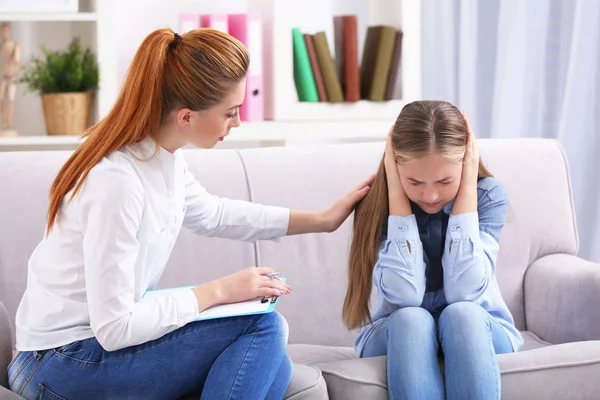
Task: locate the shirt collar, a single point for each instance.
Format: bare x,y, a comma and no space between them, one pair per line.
418,211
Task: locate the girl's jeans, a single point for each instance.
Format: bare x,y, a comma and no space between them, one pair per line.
469,338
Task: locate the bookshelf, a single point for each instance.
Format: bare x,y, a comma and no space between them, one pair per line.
103,26
54,30
316,15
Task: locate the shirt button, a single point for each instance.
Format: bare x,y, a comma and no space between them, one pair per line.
453,229
404,228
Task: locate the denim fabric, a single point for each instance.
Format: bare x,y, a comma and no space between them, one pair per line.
230,358
470,339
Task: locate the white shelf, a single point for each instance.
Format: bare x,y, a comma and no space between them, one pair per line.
262,133
56,17
361,110
287,131
42,140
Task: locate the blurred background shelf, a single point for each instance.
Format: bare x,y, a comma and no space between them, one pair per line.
45,17
362,110
114,30
254,134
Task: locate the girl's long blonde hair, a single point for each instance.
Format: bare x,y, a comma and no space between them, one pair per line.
196,70
421,128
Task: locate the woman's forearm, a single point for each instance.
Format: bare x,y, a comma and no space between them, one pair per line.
307,222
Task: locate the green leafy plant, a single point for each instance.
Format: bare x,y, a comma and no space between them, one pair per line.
73,70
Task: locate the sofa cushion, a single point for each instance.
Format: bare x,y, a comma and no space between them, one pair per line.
307,384
319,355
310,354
539,370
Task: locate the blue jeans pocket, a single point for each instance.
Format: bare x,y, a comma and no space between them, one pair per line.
44,393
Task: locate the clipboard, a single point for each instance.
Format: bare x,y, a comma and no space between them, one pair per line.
243,308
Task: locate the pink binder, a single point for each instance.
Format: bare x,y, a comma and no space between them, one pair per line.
188,22
216,21
247,28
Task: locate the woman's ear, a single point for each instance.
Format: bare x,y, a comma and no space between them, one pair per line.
184,116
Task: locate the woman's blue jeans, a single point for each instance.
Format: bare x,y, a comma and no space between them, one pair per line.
469,338
230,358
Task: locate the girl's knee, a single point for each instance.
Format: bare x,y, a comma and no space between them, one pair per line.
464,316
411,316
462,311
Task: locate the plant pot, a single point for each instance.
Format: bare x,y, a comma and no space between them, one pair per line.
66,113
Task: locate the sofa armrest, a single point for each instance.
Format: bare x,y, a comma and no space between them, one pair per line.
5,346
562,299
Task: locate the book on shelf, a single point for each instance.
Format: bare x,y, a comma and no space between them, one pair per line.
395,66
321,76
327,67
314,64
377,60
303,74
346,55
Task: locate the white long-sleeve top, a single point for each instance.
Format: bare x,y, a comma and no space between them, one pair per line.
111,244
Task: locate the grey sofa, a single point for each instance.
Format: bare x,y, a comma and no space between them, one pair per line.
554,295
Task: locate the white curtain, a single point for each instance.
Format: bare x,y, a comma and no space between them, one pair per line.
525,68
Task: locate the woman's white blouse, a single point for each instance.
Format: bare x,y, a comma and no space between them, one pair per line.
111,244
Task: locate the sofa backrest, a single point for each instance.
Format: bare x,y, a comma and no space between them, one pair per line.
25,179
533,170
541,221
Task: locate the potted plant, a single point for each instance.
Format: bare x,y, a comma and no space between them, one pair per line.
66,82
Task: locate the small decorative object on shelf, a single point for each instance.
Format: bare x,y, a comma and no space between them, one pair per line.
11,57
66,82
